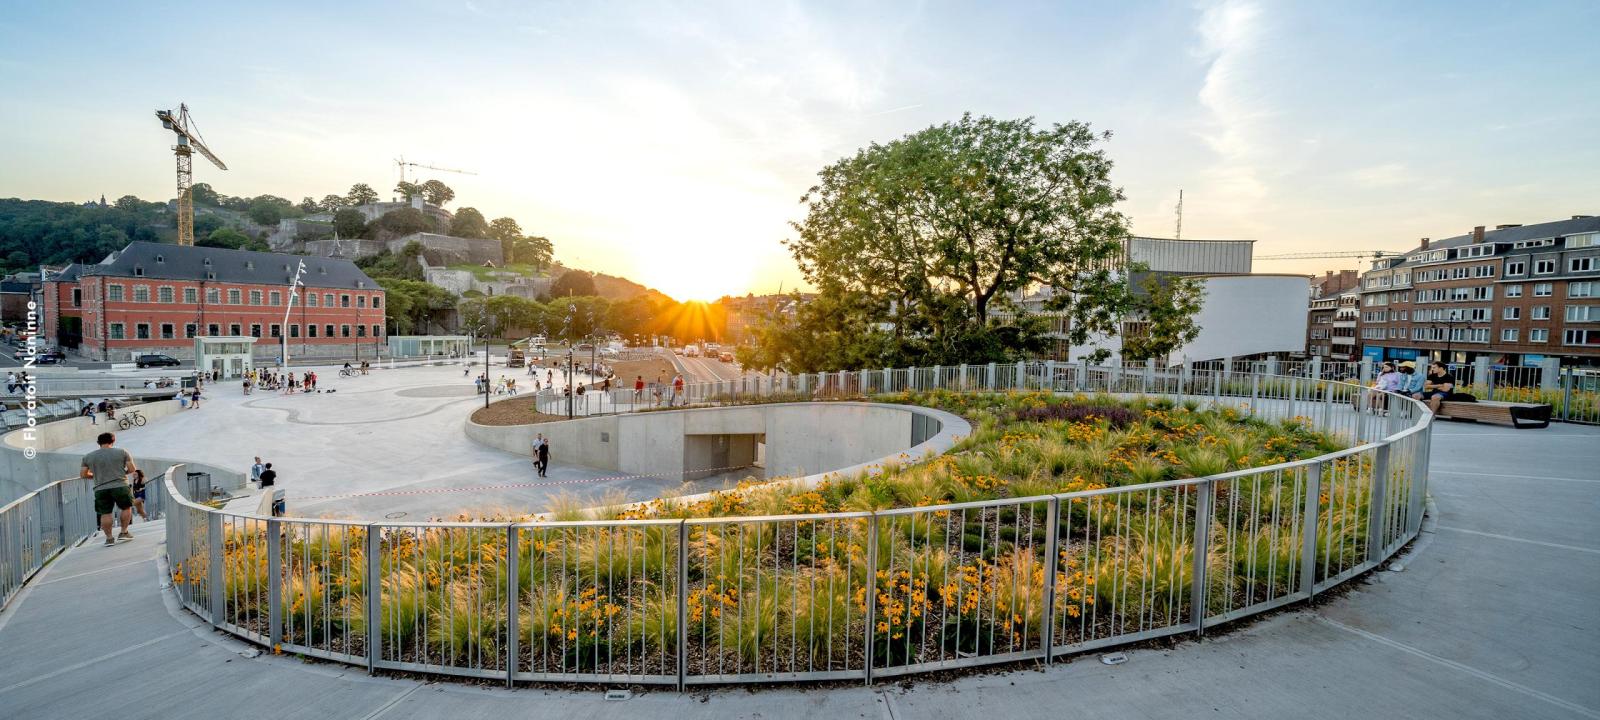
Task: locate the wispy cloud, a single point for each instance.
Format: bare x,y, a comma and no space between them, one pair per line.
1230,33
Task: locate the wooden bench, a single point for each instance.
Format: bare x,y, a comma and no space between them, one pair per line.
1517,415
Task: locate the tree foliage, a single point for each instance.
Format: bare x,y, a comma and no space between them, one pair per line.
437,193
406,221
469,223
349,223
361,194
1164,315
916,243
414,306
572,283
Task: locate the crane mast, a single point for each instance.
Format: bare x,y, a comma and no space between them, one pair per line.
188,142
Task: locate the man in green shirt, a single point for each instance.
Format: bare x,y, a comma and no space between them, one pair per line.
110,467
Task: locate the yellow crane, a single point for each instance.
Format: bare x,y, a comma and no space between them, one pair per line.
403,163
188,142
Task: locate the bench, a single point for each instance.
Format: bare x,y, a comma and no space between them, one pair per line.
1517,415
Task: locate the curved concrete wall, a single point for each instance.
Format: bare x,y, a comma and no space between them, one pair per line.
801,438
20,474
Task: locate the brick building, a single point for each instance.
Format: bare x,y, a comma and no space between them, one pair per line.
1517,294
155,298
1333,297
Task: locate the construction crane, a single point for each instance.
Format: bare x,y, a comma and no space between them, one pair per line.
188,142
1177,233
402,163
1374,254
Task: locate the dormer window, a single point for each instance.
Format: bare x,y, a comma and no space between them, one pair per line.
160,259
211,275
361,284
208,262
249,265
322,271
138,271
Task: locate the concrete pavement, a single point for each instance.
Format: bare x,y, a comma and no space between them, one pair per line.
1494,616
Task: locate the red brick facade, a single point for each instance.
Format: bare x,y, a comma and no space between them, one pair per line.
114,318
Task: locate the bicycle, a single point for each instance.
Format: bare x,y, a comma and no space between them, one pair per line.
130,419
349,372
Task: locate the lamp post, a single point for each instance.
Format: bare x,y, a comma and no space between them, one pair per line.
283,330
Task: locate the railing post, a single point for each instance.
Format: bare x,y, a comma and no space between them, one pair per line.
274,582
513,604
1566,394
1083,374
1052,545
1272,365
1201,544
683,602
1227,368
1549,373
1308,530
1481,373
1022,376
374,597
872,588
1365,371
1419,480
1149,374
1316,367
1377,503
1185,378
938,378
1050,375
217,599
990,376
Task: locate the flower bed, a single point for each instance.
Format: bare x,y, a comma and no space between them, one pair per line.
910,566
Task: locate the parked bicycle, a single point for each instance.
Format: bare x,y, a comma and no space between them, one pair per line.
130,419
349,372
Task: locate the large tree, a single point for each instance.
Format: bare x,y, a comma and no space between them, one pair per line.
469,223
437,192
333,203
573,283
349,223
930,233
361,194
407,190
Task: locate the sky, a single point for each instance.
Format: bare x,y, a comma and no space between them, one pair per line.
670,142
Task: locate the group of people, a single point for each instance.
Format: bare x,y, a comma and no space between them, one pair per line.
1434,387
94,410
159,383
288,382
119,485
500,386
541,454
16,381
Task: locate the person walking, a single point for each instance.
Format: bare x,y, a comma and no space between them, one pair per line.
109,468
194,401
638,389
137,486
544,456
255,471
269,477
533,451
677,391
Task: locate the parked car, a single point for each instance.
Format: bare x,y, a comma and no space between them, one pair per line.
45,357
145,361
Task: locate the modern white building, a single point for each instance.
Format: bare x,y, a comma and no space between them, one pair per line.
1243,314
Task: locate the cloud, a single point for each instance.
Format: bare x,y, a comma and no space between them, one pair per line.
1238,116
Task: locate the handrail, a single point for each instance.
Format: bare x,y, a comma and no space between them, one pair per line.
834,595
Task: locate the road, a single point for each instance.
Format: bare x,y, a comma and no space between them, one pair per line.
708,369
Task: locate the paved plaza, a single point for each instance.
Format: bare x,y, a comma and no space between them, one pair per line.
1493,616
393,431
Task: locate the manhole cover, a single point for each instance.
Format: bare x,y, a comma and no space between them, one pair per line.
394,516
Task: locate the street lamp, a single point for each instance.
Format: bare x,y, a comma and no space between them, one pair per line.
283,330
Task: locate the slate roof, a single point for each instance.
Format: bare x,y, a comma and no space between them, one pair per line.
160,261
1558,228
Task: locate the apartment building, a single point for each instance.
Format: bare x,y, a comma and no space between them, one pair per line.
1332,295
1517,294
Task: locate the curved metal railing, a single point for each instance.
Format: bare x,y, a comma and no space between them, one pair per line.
859,595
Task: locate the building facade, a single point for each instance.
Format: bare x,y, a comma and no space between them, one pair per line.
1517,294
157,298
1333,295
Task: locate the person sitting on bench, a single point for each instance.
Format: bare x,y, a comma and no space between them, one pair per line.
1438,387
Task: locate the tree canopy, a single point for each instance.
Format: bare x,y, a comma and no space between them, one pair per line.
361,194
469,223
437,193
915,244
572,283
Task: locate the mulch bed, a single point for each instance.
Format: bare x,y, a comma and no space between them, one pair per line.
513,411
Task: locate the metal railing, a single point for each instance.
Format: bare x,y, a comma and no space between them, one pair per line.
42,524
855,595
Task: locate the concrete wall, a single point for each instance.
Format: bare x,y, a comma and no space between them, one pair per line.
1249,314
801,438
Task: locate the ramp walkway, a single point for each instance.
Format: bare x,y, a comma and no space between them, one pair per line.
1494,615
